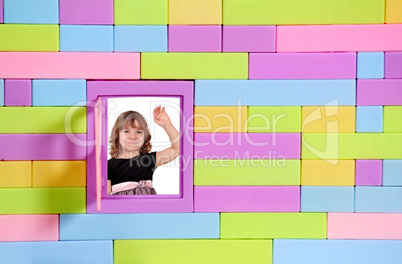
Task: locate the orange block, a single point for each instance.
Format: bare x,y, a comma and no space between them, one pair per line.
195,12
59,174
393,11
15,174
328,119
323,173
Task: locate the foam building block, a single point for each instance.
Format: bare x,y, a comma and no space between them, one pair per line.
140,38
247,172
302,65
368,172
329,119
370,65
392,173
15,174
59,92
321,172
194,65
392,118
393,10
249,38
379,92
58,174
393,65
273,225
31,12
86,38
327,199
247,198
271,92
153,226
1,12
29,228
274,119
202,12
318,38
152,12
370,199
195,38
220,119
364,226
43,146
369,119
18,92
86,12
1,92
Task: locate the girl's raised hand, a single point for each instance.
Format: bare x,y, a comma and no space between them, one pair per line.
161,117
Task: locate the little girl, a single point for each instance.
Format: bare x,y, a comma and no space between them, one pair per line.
132,164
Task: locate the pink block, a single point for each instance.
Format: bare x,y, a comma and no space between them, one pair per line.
43,146
249,38
364,226
302,65
246,146
393,65
79,65
195,38
29,228
247,198
17,92
379,92
316,38
86,12
369,172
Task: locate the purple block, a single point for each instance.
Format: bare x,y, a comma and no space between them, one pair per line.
393,65
379,92
247,198
1,12
195,38
249,38
302,65
17,92
369,172
86,12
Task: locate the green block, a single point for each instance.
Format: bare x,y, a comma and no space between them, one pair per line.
293,12
42,200
29,37
247,172
203,65
274,225
392,118
274,119
193,251
140,12
44,120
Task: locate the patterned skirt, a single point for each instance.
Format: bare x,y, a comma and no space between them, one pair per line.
143,188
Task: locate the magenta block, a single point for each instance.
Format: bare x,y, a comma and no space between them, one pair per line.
17,92
1,12
379,92
302,65
195,38
247,198
86,12
393,65
249,38
369,172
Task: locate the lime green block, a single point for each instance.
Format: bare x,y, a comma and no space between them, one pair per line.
33,120
194,65
282,12
272,171
333,146
42,200
193,251
274,225
140,12
29,37
392,118
274,119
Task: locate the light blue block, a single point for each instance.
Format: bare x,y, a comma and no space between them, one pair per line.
275,92
305,251
370,65
369,118
59,92
392,173
378,199
1,92
327,199
65,252
31,11
139,226
141,38
86,38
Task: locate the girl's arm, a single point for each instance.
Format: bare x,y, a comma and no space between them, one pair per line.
109,187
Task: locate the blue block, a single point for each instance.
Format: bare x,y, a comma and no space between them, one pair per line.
31,11
59,92
369,118
305,251
370,65
275,92
327,199
392,173
1,92
139,226
86,38
99,252
378,199
141,38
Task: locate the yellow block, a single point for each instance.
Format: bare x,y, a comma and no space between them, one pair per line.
220,119
393,11
323,173
328,119
193,12
59,174
15,174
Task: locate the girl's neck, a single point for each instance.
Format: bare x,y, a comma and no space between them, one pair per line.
128,155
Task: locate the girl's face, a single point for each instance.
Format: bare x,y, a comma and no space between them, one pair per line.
131,138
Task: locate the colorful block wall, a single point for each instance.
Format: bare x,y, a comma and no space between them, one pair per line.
298,107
